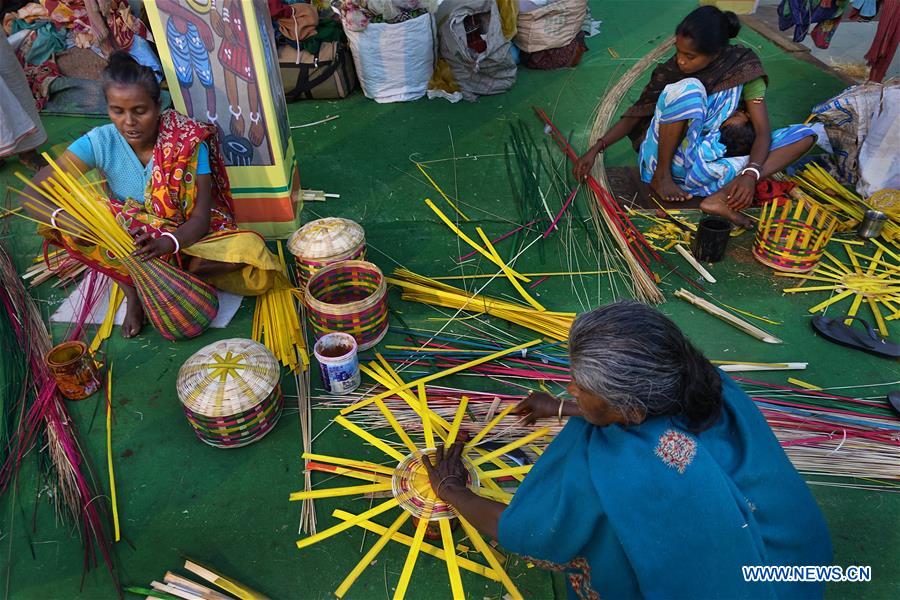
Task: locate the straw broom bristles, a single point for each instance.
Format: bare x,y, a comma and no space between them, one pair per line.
417,288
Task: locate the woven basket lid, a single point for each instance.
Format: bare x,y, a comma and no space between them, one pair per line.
323,238
887,201
227,377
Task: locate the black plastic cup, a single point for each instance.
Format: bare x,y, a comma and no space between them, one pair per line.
711,239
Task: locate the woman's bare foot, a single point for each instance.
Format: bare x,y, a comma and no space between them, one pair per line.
667,189
716,205
134,313
32,160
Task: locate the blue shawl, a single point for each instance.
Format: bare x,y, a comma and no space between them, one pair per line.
656,511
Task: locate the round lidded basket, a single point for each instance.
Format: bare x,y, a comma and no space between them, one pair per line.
348,297
229,392
792,234
886,201
324,242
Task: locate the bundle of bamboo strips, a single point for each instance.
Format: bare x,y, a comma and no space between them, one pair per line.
824,435
610,219
827,435
87,209
644,286
276,323
41,422
65,268
817,181
417,288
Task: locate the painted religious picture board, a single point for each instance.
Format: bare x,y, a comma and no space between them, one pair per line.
220,63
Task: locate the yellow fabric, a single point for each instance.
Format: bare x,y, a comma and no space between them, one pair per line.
442,78
261,269
509,13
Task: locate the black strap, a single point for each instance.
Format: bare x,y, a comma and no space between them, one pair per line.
305,85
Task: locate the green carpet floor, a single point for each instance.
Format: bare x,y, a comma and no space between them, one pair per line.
179,497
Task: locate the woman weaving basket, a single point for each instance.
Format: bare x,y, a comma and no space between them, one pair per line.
664,483
168,187
701,127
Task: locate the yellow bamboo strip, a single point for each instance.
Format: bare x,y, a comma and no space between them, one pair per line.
434,376
336,529
520,470
496,461
426,422
750,314
349,462
116,295
350,490
508,272
890,253
456,586
545,274
358,474
369,556
228,584
412,555
375,372
486,551
813,288
441,192
416,288
109,455
398,429
362,433
469,240
86,236
496,495
427,548
491,424
803,384
841,266
457,420
534,435
830,301
879,318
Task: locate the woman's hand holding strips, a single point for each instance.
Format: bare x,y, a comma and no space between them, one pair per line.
448,474
153,247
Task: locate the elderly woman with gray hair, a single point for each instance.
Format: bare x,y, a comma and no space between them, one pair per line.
665,481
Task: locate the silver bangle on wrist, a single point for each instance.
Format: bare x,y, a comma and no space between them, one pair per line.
171,235
53,218
753,170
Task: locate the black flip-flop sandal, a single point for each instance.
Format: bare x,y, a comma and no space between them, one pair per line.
834,330
894,401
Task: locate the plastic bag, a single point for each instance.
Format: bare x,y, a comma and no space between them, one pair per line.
394,61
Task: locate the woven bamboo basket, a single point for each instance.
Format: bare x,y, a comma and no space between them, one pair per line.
324,242
348,297
407,489
179,305
792,234
229,392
